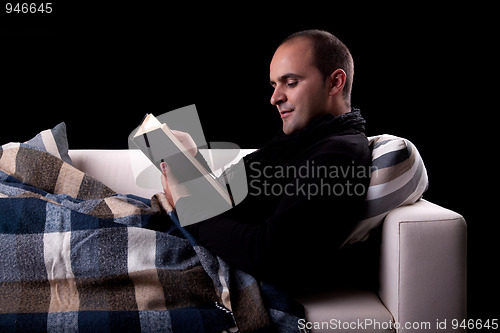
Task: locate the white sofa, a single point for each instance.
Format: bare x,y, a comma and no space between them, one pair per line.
422,262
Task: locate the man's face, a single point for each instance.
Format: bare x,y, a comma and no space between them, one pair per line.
300,93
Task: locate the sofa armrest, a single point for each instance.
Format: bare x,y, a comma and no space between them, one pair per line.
423,265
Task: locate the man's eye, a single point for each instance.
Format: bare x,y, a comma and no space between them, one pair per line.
292,84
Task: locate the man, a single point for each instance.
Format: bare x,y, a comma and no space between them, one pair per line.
306,190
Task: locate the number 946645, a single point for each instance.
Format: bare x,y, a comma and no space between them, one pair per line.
28,8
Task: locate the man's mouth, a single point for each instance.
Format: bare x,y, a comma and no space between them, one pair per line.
285,113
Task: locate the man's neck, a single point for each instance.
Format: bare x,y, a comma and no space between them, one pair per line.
340,107
341,111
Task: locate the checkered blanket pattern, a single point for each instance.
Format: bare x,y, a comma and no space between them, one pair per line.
77,257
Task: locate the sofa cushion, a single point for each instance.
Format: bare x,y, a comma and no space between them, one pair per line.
115,169
53,141
398,178
345,310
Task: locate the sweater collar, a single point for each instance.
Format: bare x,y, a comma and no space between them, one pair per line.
329,124
284,146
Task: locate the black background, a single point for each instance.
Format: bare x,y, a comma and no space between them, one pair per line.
427,74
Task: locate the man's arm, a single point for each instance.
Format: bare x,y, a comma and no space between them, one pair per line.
303,227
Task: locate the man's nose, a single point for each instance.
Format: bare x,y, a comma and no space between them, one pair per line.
277,97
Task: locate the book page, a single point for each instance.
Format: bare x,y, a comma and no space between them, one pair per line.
149,123
209,196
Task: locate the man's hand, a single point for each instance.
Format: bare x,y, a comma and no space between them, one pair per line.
164,184
172,188
187,141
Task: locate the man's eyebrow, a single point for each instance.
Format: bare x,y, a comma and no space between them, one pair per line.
290,76
287,76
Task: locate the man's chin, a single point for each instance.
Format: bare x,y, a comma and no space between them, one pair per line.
288,128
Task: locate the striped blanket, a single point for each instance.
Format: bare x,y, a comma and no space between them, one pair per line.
77,257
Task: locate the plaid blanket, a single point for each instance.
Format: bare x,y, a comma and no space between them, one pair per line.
77,257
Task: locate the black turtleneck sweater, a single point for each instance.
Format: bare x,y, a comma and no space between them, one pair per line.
305,193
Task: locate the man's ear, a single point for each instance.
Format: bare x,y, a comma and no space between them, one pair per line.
337,81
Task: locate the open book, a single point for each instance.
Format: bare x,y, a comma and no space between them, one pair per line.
159,144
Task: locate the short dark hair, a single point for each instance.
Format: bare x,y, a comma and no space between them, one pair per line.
329,54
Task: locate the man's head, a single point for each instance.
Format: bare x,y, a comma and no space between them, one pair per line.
311,73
